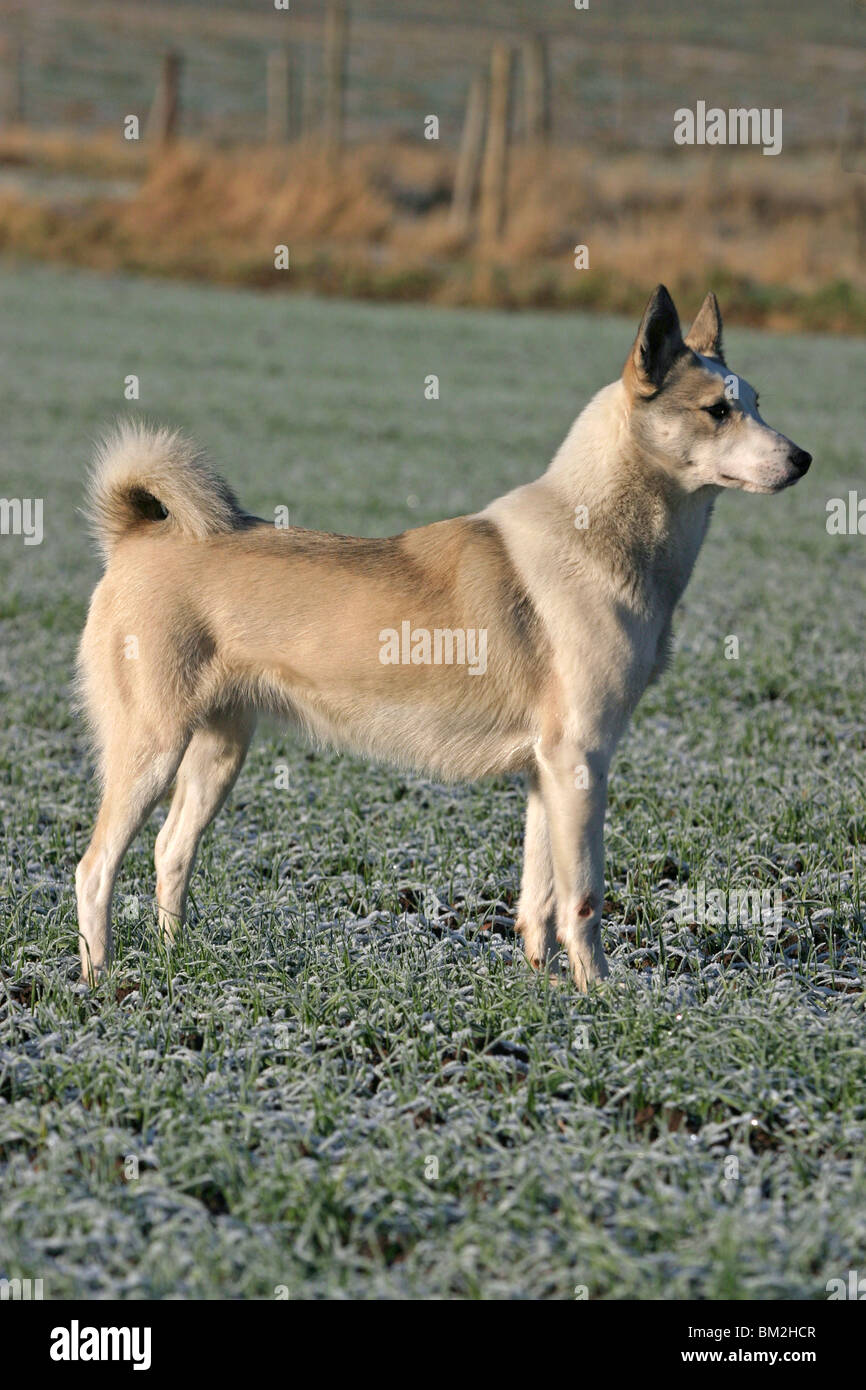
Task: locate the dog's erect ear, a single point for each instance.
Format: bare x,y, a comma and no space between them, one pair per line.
705,334
658,343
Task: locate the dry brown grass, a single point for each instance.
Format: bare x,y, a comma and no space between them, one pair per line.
784,241
100,155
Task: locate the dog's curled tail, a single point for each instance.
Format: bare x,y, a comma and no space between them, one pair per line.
142,476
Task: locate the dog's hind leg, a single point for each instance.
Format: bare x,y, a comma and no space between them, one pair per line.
207,774
137,774
536,910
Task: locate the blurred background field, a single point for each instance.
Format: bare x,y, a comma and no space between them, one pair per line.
350,1000
307,128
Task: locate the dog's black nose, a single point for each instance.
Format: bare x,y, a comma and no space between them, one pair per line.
801,460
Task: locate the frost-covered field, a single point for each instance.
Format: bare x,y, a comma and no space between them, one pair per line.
345,1081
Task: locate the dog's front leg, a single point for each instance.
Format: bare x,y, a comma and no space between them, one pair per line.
573,784
536,911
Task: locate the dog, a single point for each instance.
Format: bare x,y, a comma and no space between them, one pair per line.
515,640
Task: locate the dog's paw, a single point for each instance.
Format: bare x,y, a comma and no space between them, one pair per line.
539,945
591,972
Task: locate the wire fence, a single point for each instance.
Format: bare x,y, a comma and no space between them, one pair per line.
614,79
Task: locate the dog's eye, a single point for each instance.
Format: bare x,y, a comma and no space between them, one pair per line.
718,410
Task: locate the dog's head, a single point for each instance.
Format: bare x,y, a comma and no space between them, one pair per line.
694,416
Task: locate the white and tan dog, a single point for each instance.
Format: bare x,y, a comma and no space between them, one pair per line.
206,615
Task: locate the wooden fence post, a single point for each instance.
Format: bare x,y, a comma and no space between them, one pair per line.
336,64
536,90
469,156
306,105
279,96
11,86
494,169
854,139
164,115
853,161
860,215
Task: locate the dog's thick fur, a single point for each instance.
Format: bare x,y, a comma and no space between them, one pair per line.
206,615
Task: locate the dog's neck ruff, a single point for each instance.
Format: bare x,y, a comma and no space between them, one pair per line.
642,531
